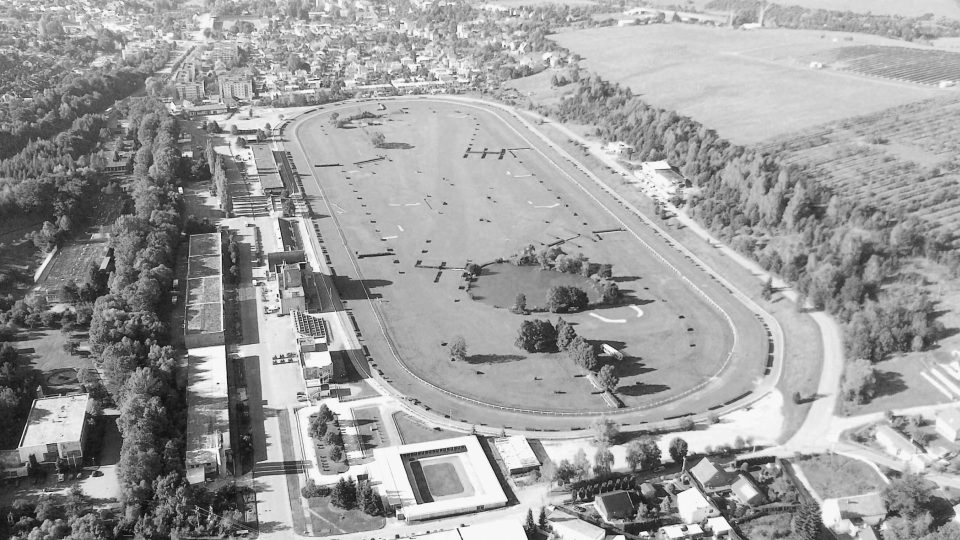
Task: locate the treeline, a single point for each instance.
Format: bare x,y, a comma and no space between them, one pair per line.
839,253
55,108
892,26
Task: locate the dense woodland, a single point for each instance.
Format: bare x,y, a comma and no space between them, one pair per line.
844,256
897,27
66,98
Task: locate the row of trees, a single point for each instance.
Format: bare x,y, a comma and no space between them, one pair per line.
786,16
540,335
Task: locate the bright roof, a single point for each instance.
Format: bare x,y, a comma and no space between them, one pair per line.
53,420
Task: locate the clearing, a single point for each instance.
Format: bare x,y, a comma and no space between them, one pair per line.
712,74
833,475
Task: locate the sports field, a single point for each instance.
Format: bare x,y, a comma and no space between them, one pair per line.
440,478
436,202
749,86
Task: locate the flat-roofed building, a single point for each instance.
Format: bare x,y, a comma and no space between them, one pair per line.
56,429
290,278
203,319
268,172
236,86
436,479
208,414
517,454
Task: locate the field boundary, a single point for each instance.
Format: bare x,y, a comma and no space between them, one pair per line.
486,107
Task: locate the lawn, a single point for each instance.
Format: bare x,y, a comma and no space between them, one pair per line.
434,206
711,74
412,431
833,475
768,527
326,465
499,284
43,351
329,520
369,424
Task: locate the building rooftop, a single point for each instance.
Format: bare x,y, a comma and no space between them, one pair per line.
266,165
516,452
208,420
616,504
204,302
951,417
55,420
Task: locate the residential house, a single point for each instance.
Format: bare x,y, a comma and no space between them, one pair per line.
747,492
712,478
614,506
895,443
840,513
694,507
568,527
948,424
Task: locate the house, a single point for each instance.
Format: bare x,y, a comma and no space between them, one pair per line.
719,527
711,477
895,443
948,424
747,492
614,506
56,429
694,507
868,509
570,528
681,532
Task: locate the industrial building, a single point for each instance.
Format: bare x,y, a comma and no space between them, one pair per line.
56,429
208,414
203,319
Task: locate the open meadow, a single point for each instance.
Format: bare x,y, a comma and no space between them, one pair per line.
748,85
457,185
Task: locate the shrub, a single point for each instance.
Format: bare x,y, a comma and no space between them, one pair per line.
336,453
561,298
312,490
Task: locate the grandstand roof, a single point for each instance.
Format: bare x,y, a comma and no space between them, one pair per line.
266,166
308,325
204,302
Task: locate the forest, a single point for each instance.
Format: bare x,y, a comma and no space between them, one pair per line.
842,255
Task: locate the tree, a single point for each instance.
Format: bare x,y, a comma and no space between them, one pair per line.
336,453
325,414
609,291
520,304
608,379
536,335
334,117
678,450
580,464
529,525
859,381
583,353
767,292
643,454
602,461
565,472
807,522
233,130
344,494
548,471
605,431
378,139
563,298
293,62
473,269
565,334
458,349
241,142
542,519
908,496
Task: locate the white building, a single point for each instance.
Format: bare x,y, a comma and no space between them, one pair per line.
662,177
56,428
694,507
844,513
517,454
208,413
895,443
568,527
437,478
948,424
497,530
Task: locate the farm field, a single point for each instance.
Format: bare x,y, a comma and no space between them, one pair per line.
415,218
901,160
712,74
920,66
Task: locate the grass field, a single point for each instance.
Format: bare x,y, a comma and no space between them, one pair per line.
369,424
413,431
714,75
499,285
329,520
833,475
911,8
431,193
